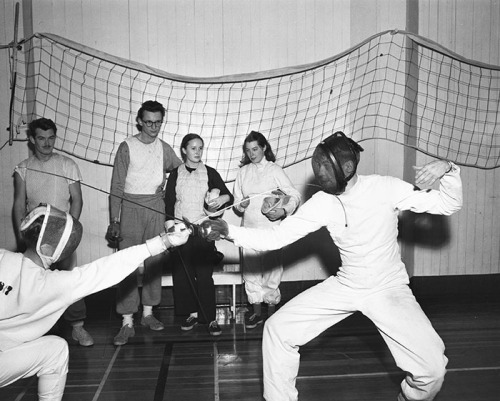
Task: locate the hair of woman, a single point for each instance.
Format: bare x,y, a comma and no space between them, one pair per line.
255,136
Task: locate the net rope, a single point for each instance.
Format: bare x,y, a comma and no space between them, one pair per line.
394,86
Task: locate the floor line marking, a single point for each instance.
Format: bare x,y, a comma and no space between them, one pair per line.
373,374
161,383
25,389
216,372
106,373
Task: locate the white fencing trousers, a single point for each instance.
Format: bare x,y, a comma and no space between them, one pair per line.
262,272
413,342
47,357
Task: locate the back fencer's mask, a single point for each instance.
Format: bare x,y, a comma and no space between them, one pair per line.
328,160
58,233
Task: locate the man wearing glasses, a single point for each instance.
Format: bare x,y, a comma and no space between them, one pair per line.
137,212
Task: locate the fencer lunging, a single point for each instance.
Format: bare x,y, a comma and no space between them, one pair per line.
361,215
33,297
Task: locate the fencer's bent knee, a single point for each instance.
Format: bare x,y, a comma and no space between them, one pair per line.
438,374
57,361
437,367
432,377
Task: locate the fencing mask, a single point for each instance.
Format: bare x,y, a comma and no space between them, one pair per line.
58,233
328,159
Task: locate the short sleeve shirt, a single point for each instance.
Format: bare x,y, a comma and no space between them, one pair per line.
48,181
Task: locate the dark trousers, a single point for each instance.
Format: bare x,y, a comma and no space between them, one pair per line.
193,285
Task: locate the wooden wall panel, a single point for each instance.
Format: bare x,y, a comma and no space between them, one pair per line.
9,155
471,30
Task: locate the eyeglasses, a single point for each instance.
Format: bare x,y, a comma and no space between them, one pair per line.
156,123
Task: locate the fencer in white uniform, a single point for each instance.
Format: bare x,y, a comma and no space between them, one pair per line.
361,214
33,297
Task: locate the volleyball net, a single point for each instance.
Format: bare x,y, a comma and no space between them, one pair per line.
395,86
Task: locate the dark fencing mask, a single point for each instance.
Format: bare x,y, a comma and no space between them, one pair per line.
328,160
59,233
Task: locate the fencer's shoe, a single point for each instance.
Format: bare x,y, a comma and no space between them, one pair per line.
123,335
253,320
189,323
214,328
82,336
152,322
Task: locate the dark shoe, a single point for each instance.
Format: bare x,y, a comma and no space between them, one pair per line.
152,322
214,329
253,320
82,336
190,322
123,335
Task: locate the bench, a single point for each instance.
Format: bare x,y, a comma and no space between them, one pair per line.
224,274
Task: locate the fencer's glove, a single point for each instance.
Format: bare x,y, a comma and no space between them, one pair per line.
214,229
113,235
169,225
176,235
194,229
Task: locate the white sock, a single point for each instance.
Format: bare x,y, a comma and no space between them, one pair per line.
147,310
128,320
194,314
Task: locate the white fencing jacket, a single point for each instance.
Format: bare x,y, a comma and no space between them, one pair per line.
32,299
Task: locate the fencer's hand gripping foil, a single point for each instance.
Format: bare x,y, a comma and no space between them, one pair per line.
177,235
214,229
209,229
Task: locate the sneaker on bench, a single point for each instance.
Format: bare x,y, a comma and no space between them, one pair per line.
214,328
253,320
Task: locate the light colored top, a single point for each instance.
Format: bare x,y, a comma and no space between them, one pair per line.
257,181
48,181
145,169
191,188
362,222
128,163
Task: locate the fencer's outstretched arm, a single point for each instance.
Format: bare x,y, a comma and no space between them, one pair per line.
110,270
306,220
320,211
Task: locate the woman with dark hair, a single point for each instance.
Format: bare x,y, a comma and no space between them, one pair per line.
195,192
263,196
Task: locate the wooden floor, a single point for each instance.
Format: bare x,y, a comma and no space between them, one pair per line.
348,362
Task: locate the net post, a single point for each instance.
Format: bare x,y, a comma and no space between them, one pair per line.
410,127
13,75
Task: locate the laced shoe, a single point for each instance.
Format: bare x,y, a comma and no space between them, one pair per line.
214,328
152,322
123,335
189,323
253,320
82,336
